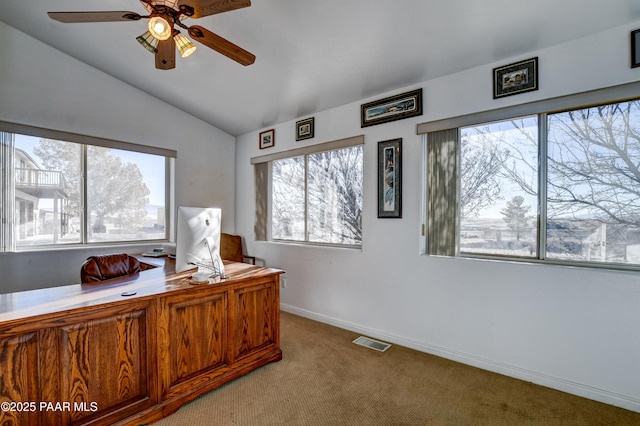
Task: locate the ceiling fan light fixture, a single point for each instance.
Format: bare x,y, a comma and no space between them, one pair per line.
184,45
160,28
164,25
148,41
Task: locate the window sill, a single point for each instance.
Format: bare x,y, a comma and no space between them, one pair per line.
91,246
312,244
551,262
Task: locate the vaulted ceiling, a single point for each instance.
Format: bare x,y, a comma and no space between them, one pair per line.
315,55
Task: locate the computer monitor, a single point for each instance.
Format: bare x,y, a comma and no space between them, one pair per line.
198,239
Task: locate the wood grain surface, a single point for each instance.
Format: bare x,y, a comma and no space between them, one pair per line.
86,354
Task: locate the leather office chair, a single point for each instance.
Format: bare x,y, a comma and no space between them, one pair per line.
108,266
231,249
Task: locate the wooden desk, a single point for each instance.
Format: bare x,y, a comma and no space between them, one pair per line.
86,354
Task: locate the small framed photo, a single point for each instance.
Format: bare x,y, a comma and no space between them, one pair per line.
515,78
635,49
393,108
267,138
390,179
304,129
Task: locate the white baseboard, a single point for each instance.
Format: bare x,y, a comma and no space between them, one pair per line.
579,389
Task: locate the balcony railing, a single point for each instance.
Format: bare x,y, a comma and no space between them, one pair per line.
39,178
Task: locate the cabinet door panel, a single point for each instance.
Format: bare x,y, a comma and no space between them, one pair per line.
196,336
104,364
18,373
255,319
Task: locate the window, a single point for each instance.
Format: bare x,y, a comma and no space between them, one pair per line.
498,187
316,194
62,193
560,187
318,197
288,199
593,184
334,196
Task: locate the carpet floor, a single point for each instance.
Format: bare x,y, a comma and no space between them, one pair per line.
324,379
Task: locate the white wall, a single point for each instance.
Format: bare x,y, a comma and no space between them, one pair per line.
42,87
572,329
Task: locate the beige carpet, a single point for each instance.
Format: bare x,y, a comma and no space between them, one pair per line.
324,379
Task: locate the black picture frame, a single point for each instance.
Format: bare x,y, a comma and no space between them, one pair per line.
635,49
390,179
305,129
516,78
393,108
267,139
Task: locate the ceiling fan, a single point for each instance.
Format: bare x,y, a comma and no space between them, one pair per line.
163,37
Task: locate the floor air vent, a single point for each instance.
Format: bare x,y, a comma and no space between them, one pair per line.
372,344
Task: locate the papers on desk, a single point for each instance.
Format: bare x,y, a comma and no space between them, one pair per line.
157,252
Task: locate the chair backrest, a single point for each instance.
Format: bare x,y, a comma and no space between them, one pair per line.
231,247
108,266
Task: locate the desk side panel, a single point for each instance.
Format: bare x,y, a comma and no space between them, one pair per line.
193,334
255,318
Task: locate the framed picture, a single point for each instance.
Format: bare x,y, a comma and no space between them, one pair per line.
390,178
304,129
515,78
635,49
267,138
393,108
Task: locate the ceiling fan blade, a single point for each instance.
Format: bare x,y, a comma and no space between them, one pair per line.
166,54
211,7
221,45
76,17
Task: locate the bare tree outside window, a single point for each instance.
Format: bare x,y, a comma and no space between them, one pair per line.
593,185
318,197
479,176
288,199
496,172
335,196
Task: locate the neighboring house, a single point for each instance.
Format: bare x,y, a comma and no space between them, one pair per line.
612,243
32,186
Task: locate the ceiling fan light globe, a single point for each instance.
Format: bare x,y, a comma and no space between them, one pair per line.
159,28
188,51
148,41
184,45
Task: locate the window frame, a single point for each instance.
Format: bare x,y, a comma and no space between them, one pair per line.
541,109
85,141
540,213
264,189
